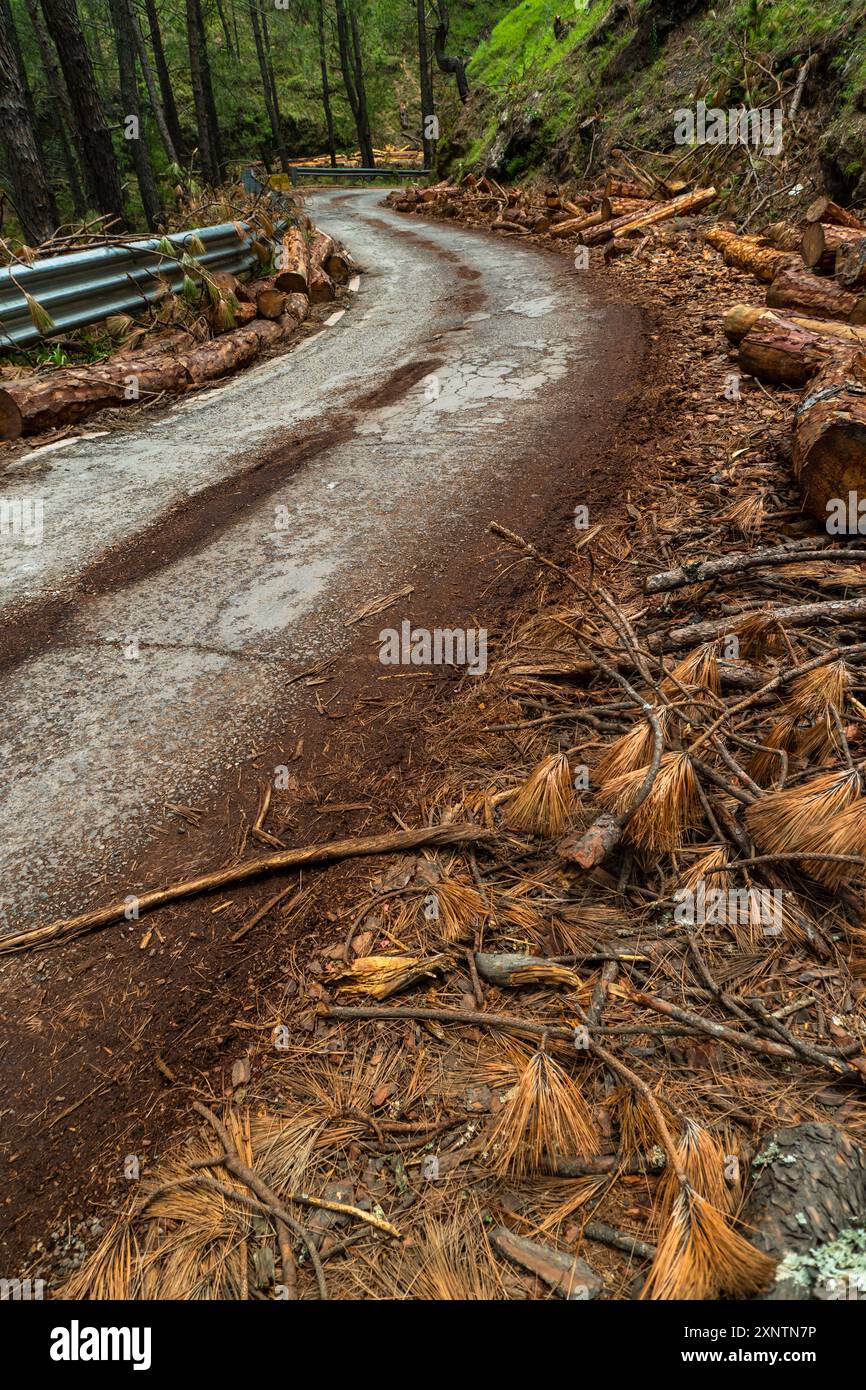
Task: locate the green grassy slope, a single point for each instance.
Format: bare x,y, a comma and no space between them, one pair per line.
534,93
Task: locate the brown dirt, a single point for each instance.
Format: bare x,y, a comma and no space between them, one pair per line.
92,1021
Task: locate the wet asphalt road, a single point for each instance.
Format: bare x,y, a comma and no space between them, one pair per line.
434,393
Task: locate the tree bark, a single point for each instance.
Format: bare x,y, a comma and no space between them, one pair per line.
742,318
121,19
326,90
268,92
60,97
809,1187
785,354
660,212
749,253
850,264
361,89
230,50
821,242
428,144
98,158
69,395
199,78
31,193
825,210
156,107
814,296
294,273
455,66
320,285
830,436
353,78
168,102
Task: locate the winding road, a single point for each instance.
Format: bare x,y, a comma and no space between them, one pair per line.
192,565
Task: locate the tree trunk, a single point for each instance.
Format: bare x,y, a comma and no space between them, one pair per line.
99,162
749,253
326,90
121,19
346,68
32,195
60,97
742,318
782,353
428,144
366,139
830,436
270,107
821,242
851,264
809,1188
321,286
168,103
206,150
269,68
226,31
440,43
659,212
825,210
67,396
210,104
152,91
816,297
294,272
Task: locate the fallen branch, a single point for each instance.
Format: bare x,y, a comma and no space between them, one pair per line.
735,564
394,842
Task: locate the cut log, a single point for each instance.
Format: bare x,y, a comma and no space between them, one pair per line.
248,291
813,296
750,253
227,282
293,275
573,225
658,212
850,264
46,403
821,242
782,353
243,314
620,207
830,437
11,419
825,210
270,303
321,287
270,332
297,306
338,265
740,319
622,188
782,235
225,354
809,1190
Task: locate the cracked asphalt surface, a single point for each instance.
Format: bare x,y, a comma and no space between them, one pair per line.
460,385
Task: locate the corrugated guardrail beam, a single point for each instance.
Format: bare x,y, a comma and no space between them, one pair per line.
86,286
351,171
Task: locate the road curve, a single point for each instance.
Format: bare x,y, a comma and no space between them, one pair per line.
192,565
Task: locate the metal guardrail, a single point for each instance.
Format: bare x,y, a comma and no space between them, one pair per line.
86,286
350,171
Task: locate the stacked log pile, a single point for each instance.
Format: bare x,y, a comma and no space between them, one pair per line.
811,335
245,318
618,209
